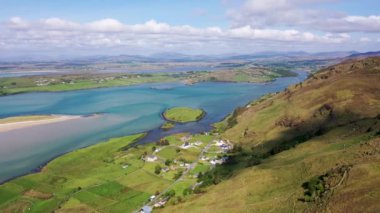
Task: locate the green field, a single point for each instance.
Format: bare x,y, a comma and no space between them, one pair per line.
167,125
107,177
53,83
183,114
78,82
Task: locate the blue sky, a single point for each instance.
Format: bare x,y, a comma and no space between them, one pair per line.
194,27
199,13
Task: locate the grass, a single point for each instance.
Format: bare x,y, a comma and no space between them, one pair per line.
183,114
275,184
93,179
168,152
167,125
70,82
77,82
83,178
304,132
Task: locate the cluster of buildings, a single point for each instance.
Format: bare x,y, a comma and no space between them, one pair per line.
46,82
187,145
150,158
43,82
225,146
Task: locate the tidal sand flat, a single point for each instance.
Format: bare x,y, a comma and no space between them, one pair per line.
19,122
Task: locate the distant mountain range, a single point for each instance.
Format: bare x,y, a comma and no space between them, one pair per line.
364,55
180,57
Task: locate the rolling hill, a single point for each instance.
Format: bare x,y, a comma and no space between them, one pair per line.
314,147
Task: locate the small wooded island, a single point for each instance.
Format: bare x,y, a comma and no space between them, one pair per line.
183,114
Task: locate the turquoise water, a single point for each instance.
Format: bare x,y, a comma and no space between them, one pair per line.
125,110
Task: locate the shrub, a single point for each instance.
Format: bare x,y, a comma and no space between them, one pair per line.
313,188
168,162
254,160
170,193
214,176
157,169
162,142
187,191
178,175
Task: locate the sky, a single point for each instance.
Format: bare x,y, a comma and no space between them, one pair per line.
143,27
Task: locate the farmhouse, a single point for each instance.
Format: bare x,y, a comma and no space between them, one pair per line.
151,158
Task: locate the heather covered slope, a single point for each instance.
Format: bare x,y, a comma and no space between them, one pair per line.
316,147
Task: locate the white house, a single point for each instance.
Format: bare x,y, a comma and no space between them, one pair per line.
186,145
198,143
151,158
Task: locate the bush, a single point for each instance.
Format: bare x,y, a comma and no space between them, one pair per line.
157,169
163,142
214,176
170,193
254,160
187,191
178,175
313,188
168,162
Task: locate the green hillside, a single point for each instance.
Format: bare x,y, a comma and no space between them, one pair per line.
313,147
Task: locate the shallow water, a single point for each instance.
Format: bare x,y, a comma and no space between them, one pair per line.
125,110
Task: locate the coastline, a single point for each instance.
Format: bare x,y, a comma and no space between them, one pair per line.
140,141
48,119
132,84
45,163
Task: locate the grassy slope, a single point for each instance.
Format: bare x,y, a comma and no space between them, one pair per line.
332,118
93,179
104,185
183,114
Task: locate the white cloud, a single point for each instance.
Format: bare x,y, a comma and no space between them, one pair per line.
365,39
297,13
106,25
51,33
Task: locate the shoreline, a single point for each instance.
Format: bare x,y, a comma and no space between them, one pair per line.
135,84
48,119
204,113
139,141
44,164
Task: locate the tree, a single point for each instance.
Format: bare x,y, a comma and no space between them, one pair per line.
178,175
157,169
186,191
154,148
162,142
170,193
254,160
168,162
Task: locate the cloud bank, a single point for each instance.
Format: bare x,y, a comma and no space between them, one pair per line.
256,25
297,13
105,33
